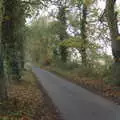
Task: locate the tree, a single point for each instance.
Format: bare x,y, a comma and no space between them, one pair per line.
83,34
11,38
13,29
62,34
41,41
13,17
3,90
114,34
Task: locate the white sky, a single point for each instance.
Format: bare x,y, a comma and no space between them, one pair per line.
101,3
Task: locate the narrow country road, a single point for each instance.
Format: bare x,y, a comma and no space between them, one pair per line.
74,102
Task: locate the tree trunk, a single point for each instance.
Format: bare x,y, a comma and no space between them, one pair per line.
3,89
10,34
83,35
62,35
64,53
3,85
112,23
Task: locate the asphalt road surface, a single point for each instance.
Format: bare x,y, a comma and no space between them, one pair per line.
75,102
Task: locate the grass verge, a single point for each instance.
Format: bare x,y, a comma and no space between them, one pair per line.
93,84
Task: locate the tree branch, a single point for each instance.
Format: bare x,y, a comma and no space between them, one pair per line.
34,3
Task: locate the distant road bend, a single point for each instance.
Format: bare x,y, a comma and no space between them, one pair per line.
74,102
